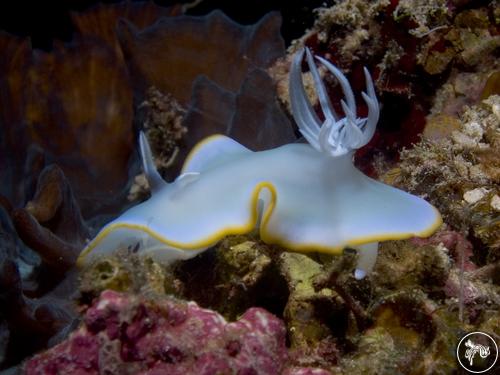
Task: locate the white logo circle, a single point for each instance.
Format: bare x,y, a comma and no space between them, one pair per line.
477,352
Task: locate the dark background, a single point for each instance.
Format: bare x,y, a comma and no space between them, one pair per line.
45,21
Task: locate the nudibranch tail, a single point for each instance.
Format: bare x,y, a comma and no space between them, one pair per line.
367,256
155,181
336,136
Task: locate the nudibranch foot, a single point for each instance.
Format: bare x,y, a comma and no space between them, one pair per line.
303,197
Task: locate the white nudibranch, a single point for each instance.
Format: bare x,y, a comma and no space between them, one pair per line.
304,197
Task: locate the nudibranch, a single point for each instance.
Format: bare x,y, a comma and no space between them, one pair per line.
302,196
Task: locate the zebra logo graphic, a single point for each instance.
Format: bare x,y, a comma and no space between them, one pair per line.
477,352
483,351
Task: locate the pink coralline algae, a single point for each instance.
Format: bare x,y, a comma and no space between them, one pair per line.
126,334
306,371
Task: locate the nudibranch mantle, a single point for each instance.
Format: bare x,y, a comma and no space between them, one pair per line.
304,197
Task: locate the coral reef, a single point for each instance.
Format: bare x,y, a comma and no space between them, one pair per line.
468,40
171,64
252,115
459,174
51,223
436,70
66,115
161,117
127,272
244,275
130,334
414,49
133,335
72,112
53,250
311,340
40,244
104,108
223,92
163,124
401,340
423,294
54,206
99,22
29,319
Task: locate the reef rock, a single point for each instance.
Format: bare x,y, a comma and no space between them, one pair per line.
126,334
460,174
